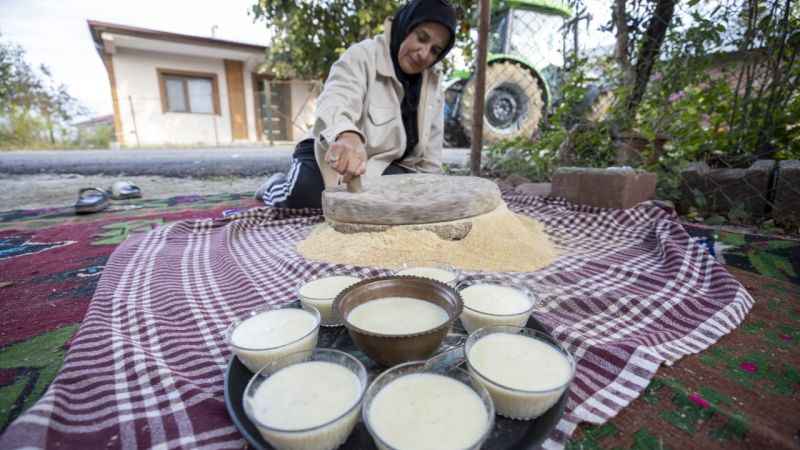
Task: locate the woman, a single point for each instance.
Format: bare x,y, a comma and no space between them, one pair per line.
380,111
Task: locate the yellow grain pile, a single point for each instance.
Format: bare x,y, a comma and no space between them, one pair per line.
500,241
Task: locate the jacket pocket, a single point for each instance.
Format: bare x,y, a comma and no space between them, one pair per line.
381,129
381,115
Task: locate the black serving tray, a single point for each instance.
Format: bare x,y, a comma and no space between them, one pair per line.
507,434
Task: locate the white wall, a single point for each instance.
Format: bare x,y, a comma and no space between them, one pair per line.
304,103
138,86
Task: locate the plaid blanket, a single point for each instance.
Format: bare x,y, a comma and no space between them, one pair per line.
631,291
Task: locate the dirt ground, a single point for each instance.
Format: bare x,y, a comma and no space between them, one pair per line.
54,190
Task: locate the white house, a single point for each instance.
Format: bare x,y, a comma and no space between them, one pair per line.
176,89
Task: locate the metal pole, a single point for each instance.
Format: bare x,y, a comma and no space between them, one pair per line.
268,101
480,89
216,133
135,128
575,41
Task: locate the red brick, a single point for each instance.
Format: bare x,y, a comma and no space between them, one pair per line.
605,188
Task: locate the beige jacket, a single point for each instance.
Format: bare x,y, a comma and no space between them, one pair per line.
362,94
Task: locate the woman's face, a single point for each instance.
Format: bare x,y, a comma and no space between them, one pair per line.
422,47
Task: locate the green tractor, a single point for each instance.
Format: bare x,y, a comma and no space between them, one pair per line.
523,65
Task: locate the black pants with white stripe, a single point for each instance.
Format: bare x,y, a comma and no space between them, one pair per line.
303,186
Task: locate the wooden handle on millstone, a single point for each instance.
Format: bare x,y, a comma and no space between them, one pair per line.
354,185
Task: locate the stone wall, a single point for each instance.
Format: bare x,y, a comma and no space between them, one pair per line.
722,190
758,192
787,195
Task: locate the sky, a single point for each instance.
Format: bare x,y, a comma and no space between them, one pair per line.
55,33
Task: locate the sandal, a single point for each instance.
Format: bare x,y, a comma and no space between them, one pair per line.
122,190
91,200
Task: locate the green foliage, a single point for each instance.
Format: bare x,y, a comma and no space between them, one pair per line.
533,160
18,128
310,35
34,109
695,103
725,92
97,137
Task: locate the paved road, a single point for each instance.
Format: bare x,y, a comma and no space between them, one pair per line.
195,162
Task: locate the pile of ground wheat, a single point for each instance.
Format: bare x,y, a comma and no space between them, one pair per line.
500,241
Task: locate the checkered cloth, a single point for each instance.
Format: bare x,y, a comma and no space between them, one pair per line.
631,291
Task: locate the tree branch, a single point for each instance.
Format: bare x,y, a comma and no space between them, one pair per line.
621,49
649,50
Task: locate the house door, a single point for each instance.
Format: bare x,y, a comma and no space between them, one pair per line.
274,109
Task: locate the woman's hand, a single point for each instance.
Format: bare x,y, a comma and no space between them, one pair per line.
347,155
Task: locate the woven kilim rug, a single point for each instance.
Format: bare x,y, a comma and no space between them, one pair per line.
632,291
742,392
50,263
774,258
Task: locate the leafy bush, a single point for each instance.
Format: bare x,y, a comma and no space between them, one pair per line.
98,137
533,160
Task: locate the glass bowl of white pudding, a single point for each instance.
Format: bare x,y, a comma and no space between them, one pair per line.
524,370
271,332
434,270
307,400
414,406
320,294
492,303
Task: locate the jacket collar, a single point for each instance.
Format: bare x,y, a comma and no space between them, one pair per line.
385,66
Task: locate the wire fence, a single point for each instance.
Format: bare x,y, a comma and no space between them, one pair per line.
524,61
705,94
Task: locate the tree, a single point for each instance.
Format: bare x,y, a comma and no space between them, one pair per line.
727,89
56,105
33,106
310,35
637,49
19,84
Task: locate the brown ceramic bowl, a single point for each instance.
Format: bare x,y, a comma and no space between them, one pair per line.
391,349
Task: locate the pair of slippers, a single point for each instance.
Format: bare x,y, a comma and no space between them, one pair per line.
91,200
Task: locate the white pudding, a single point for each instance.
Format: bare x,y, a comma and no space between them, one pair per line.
269,335
397,315
427,411
525,376
321,293
488,304
305,405
434,273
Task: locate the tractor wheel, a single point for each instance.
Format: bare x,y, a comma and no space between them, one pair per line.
593,108
601,105
514,103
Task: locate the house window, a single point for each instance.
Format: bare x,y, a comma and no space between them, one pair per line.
188,92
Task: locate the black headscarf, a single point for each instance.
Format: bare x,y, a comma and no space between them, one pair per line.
409,16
